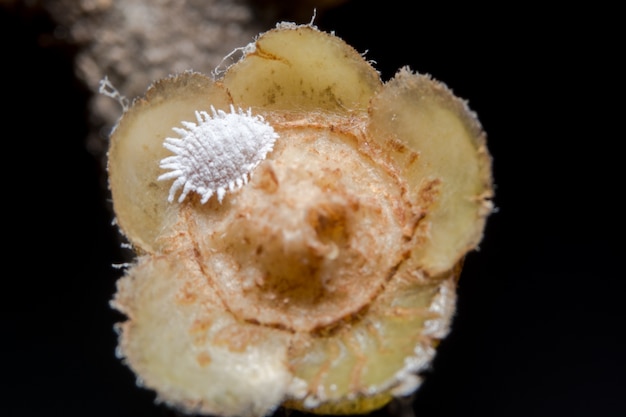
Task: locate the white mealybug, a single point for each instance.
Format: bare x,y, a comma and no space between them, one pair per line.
217,153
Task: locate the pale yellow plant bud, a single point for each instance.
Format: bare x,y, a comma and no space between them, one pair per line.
311,254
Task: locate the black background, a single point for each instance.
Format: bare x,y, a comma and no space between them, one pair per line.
539,327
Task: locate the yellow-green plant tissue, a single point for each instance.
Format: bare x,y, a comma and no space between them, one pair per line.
299,228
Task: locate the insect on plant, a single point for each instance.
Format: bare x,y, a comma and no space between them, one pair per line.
311,257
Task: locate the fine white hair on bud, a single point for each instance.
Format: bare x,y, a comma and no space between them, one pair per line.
217,153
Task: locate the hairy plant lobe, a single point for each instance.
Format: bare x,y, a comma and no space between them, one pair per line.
326,281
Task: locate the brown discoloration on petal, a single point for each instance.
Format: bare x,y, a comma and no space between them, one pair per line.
237,337
203,359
